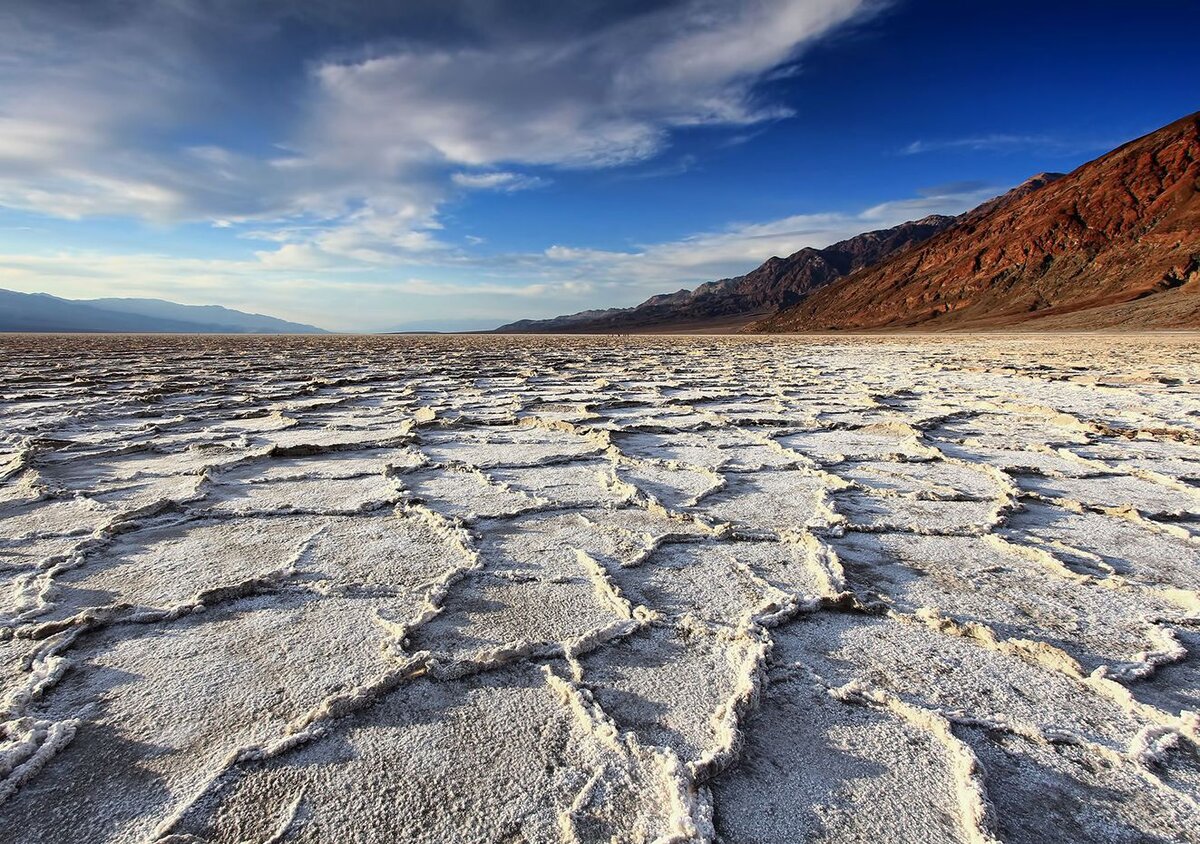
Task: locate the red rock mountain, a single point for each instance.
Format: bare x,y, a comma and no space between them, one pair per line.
1116,243
779,282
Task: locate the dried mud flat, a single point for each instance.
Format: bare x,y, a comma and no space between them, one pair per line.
623,589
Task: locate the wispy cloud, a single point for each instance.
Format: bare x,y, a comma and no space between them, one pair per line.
343,165
500,180
120,108
679,166
999,142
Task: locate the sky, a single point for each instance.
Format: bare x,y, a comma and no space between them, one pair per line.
456,165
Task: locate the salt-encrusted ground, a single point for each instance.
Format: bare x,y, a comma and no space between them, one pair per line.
609,589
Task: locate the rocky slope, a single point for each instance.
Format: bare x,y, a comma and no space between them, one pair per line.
779,282
1116,243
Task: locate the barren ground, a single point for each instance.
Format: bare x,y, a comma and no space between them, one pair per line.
599,589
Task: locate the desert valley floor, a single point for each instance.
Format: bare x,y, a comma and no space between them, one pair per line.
484,589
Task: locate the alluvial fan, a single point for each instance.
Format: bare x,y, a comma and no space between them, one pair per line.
599,589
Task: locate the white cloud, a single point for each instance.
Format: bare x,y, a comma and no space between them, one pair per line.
1001,142
422,287
139,109
500,180
92,104
295,256
603,99
606,98
992,142
501,287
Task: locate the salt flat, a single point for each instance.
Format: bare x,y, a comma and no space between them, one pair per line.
600,589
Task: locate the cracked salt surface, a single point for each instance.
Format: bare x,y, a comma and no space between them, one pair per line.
593,589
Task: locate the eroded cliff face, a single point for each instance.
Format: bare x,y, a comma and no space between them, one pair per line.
1115,243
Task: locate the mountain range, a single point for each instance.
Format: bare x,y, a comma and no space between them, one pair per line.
1113,244
733,302
43,312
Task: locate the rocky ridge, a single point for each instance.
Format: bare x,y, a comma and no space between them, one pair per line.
1116,243
777,283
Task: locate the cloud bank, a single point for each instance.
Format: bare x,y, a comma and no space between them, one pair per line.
291,280
336,154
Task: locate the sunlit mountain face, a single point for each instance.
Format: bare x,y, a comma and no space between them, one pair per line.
463,165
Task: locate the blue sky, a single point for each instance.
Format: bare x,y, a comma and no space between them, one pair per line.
459,165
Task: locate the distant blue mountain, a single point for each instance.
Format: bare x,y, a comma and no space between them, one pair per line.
43,312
